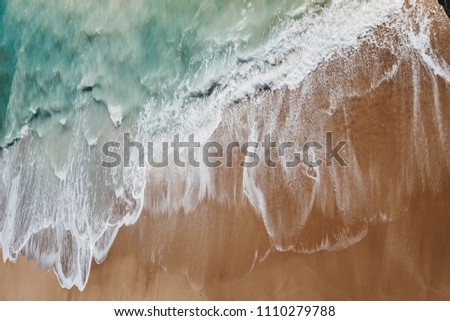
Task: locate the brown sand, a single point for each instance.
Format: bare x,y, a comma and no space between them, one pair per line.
396,187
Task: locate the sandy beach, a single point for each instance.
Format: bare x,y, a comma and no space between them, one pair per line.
385,216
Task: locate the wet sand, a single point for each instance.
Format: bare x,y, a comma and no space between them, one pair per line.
393,196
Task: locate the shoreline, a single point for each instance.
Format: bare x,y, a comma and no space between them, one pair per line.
403,256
